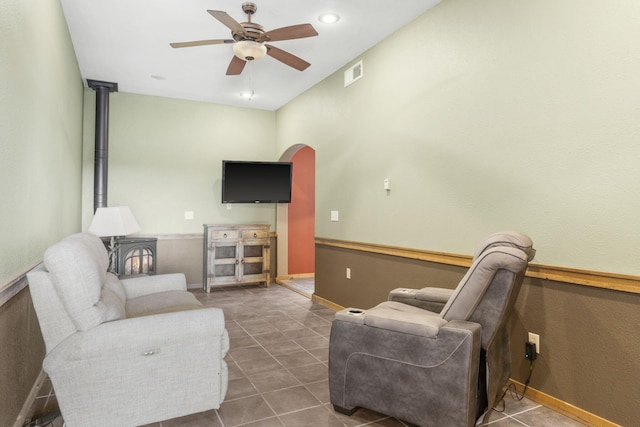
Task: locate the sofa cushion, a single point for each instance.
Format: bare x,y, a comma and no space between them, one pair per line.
78,267
161,302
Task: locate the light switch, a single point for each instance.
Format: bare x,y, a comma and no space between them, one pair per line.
387,184
335,216
188,214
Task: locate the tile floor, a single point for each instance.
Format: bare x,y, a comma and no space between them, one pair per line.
278,370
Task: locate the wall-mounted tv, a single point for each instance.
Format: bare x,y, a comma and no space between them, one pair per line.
256,182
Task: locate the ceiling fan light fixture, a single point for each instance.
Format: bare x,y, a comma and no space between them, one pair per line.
248,50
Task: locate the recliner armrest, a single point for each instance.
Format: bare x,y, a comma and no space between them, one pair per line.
396,317
431,299
144,285
137,337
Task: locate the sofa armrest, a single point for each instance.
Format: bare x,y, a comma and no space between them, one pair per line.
141,336
429,298
144,285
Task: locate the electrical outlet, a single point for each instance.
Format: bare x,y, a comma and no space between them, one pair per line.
348,273
535,338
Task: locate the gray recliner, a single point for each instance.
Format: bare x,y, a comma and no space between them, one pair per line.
432,356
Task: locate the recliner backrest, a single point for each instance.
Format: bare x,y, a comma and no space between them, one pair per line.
55,323
487,292
514,239
77,268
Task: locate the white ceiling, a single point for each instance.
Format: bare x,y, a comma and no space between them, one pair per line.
127,42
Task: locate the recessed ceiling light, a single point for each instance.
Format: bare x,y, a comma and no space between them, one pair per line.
329,18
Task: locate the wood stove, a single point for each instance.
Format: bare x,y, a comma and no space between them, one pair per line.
135,255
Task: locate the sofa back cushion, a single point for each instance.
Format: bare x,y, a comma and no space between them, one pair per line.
78,270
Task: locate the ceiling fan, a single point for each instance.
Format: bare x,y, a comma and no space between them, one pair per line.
249,39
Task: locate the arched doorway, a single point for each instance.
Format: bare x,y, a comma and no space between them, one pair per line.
296,223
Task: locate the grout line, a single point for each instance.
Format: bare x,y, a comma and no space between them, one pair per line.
517,420
526,410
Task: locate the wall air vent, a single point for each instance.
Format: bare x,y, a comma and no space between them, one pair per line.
353,73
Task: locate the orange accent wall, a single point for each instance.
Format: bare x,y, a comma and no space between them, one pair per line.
302,212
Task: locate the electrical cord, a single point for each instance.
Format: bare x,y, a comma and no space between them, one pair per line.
513,391
45,420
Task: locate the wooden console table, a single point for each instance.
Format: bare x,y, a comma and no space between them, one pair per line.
235,254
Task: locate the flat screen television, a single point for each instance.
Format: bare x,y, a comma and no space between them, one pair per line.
256,182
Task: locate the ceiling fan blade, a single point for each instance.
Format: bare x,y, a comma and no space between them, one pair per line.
287,58
227,20
235,66
200,43
288,33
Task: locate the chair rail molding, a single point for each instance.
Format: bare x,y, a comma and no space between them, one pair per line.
598,279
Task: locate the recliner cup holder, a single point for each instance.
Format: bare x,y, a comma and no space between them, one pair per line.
356,312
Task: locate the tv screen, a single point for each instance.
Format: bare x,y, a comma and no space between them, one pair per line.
256,182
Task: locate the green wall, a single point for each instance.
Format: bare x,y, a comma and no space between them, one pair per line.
40,133
40,173
165,158
486,116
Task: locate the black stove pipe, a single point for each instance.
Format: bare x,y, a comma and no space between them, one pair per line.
101,158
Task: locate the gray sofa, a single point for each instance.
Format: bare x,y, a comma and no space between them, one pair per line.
124,352
432,356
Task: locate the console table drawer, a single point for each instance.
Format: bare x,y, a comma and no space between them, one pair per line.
223,234
255,234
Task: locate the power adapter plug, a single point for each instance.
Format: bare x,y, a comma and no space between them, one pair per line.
530,351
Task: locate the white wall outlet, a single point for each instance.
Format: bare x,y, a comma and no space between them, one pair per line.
188,214
228,206
535,338
348,273
386,184
335,216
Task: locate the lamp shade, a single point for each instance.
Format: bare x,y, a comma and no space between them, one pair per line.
248,50
113,221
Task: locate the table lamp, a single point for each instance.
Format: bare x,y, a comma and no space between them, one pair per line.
114,222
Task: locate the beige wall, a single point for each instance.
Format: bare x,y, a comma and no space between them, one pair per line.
486,116
40,173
